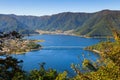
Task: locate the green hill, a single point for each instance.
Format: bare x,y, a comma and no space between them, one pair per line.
61,21
98,25
88,24
8,24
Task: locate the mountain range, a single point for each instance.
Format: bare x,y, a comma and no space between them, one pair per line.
88,24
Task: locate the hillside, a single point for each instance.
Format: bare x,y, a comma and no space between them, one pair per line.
88,24
98,25
61,21
8,23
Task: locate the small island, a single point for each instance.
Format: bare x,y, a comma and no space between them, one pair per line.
12,43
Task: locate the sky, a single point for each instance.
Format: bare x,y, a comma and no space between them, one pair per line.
49,7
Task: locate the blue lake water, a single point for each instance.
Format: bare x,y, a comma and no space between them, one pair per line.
58,52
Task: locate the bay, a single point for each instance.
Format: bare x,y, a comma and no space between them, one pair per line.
58,52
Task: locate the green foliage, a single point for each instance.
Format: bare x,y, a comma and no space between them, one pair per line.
89,65
108,50
62,76
33,45
43,74
19,76
12,34
110,58
108,72
9,68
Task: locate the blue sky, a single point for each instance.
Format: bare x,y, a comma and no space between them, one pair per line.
49,7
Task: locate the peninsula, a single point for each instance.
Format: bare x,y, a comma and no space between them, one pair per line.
12,43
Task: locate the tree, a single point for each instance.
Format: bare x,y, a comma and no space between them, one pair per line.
9,67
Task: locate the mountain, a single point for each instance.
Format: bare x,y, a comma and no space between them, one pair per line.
99,24
66,21
8,23
88,24
61,21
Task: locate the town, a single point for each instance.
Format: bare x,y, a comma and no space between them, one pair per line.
12,43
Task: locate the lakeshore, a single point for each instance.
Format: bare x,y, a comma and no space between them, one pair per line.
68,32
19,46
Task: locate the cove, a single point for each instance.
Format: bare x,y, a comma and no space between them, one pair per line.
58,52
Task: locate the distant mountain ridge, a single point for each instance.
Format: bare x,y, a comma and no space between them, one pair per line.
89,24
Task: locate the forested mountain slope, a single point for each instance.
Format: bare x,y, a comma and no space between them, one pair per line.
88,24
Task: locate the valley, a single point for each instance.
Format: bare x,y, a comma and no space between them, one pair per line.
84,24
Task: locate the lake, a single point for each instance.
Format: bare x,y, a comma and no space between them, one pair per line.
58,52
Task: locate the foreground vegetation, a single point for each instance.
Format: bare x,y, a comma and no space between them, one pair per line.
11,69
110,58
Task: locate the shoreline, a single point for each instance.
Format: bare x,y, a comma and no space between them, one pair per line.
83,36
93,50
7,53
68,32
96,51
19,46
